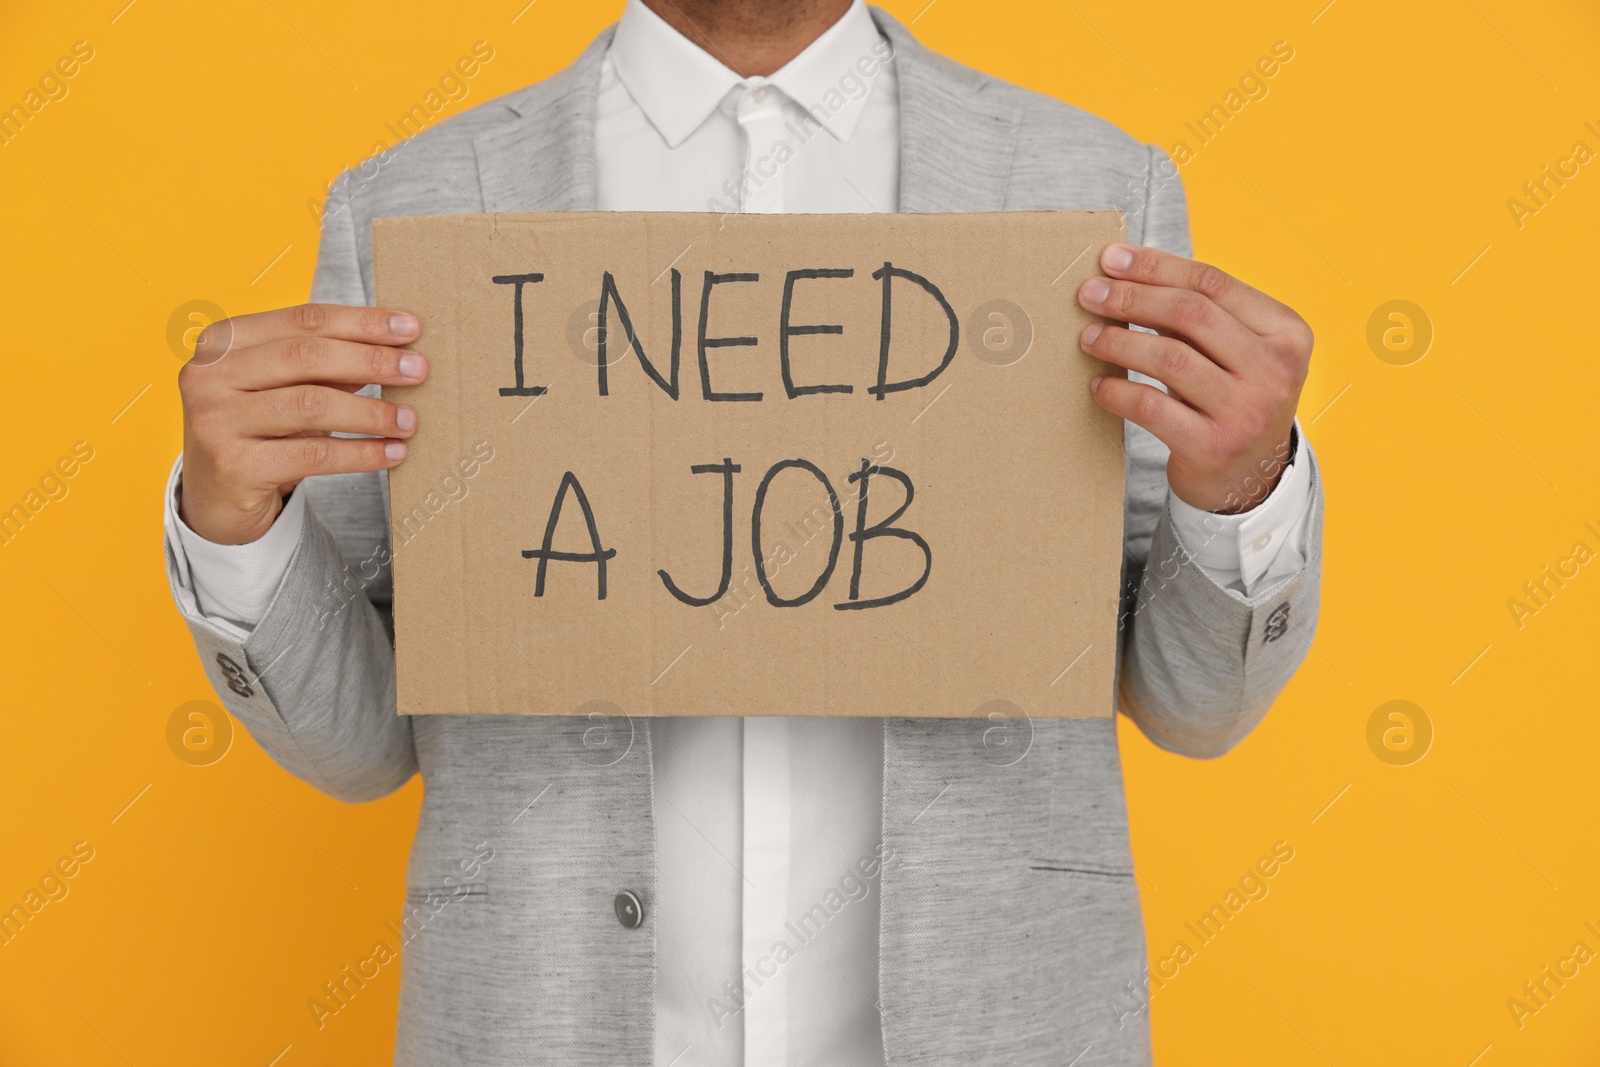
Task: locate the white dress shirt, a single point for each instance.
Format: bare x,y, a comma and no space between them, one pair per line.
769,829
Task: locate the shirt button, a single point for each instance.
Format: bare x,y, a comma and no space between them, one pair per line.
630,912
760,95
1263,541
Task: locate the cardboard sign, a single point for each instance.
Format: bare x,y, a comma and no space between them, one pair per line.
757,465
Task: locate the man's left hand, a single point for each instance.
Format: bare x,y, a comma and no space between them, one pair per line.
1233,358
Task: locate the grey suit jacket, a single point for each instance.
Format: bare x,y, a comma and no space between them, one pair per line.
1011,930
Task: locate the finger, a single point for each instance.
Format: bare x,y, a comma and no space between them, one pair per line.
1173,422
296,360
1255,309
376,326
302,409
291,459
1174,311
1191,376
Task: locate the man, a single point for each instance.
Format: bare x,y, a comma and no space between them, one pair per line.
724,891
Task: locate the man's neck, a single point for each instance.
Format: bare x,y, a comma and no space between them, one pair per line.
751,37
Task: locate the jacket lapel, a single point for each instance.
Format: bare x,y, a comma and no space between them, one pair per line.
956,140
545,161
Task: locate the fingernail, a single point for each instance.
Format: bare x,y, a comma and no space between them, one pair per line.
1095,290
1094,383
1093,333
394,451
1118,257
405,418
403,325
412,365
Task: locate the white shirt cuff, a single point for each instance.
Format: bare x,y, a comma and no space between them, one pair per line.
232,585
1256,548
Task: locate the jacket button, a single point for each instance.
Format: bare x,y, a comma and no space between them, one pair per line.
630,912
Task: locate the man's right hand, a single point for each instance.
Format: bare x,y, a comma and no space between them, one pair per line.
261,396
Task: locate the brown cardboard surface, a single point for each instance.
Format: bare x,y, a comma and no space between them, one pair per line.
1017,474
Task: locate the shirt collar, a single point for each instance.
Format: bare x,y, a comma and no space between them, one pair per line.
678,84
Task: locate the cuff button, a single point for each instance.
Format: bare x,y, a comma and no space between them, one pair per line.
630,913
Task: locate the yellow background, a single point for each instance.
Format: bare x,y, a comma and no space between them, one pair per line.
220,898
